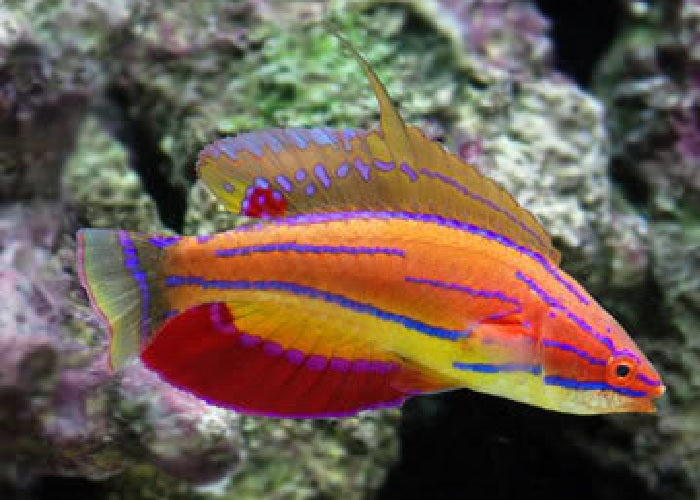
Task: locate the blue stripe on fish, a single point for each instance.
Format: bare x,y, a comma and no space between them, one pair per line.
475,292
132,263
164,241
322,175
499,368
648,380
315,249
363,168
285,183
322,137
590,385
342,170
315,293
412,174
579,321
555,344
431,219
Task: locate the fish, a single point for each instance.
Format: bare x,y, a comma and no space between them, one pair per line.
376,266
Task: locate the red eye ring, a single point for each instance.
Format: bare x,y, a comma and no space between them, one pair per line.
621,370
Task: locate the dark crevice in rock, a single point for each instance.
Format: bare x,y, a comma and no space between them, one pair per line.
447,454
54,487
147,159
582,31
628,180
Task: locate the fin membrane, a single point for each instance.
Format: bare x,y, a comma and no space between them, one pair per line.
203,352
119,270
284,172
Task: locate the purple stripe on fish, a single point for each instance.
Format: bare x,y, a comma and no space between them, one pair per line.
363,168
322,175
501,315
250,143
321,136
342,170
271,140
131,261
580,322
499,368
571,287
204,238
298,136
562,346
315,249
315,293
475,292
412,174
348,135
164,241
277,140
648,380
300,174
228,146
385,166
285,183
340,365
590,385
316,362
311,189
295,356
170,314
217,317
431,219
481,199
262,183
273,348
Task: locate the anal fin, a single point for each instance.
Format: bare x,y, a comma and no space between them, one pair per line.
203,352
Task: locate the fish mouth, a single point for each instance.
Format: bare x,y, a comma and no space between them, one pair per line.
658,391
647,405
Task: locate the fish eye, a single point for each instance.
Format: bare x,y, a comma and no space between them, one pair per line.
621,370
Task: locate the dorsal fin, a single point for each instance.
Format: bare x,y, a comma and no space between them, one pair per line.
284,172
392,125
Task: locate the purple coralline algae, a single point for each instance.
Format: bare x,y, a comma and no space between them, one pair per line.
64,411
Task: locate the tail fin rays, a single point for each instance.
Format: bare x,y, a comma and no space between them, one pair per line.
120,272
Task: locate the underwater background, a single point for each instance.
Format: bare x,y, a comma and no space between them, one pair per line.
588,112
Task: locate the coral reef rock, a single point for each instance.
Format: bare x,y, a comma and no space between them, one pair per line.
103,109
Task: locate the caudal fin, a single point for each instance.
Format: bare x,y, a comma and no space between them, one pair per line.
120,272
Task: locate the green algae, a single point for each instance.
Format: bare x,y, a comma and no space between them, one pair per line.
100,180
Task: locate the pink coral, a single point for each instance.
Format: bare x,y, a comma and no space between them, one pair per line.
60,397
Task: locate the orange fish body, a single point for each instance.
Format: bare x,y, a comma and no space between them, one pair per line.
383,267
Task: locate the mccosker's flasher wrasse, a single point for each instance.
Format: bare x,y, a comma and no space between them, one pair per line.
378,266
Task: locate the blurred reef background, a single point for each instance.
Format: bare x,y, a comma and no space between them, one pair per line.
587,111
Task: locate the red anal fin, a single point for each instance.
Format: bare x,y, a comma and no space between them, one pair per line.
201,351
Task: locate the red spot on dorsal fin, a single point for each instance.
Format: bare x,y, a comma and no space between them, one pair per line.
264,202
